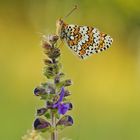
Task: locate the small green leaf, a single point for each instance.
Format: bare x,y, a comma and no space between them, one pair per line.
48,115
60,84
44,97
57,116
61,127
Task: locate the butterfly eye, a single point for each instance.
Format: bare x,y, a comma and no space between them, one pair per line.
60,21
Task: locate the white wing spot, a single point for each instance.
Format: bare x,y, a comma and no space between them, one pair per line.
72,37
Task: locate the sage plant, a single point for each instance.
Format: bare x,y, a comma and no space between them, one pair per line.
53,117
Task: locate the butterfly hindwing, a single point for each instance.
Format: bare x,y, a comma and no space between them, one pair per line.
85,40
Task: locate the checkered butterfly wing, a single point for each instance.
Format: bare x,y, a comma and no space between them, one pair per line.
84,40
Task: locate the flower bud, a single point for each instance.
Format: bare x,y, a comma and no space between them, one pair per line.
48,62
70,106
51,70
46,46
49,105
53,53
41,124
68,82
65,121
67,93
57,78
41,111
50,89
53,39
48,72
39,91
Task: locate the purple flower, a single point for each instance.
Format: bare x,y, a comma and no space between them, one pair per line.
62,107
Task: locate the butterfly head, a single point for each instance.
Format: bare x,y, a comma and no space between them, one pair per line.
60,25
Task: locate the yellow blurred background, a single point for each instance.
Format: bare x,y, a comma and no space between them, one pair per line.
106,89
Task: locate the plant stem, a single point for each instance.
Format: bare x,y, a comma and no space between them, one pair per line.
54,133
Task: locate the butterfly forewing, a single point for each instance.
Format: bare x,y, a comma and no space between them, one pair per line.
84,40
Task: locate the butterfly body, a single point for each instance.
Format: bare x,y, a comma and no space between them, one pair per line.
83,40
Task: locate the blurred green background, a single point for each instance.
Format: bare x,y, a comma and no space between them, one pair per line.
106,89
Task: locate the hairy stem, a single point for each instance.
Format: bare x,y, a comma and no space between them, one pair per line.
54,133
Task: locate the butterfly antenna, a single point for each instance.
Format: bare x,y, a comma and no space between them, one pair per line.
75,7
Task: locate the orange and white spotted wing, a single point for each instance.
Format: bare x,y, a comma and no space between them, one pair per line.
84,40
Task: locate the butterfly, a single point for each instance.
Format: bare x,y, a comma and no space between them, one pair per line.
83,40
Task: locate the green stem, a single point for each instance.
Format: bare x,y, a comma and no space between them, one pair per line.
54,133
